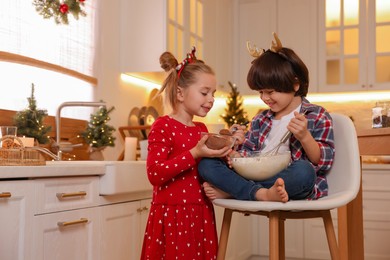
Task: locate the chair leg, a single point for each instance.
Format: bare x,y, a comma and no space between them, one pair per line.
223,238
274,223
282,253
331,236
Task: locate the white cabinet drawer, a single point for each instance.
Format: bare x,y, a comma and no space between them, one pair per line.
376,180
67,235
58,194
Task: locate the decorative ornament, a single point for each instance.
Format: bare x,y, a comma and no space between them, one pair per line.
59,9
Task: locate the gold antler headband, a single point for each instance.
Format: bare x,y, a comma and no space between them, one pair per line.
276,46
254,52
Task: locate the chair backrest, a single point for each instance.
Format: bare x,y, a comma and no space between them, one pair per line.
346,170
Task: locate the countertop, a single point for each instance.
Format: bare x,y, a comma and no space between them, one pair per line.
62,168
375,141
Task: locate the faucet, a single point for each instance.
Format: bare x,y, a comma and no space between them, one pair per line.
58,120
46,151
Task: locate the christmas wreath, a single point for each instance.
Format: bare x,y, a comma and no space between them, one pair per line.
59,9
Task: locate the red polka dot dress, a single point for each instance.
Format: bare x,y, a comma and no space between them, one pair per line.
181,223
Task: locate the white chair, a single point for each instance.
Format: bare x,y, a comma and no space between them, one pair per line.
344,183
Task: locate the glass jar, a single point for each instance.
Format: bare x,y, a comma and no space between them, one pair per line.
377,116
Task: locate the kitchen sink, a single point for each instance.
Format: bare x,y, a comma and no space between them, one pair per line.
116,177
124,177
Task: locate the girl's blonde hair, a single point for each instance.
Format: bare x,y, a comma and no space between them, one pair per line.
180,77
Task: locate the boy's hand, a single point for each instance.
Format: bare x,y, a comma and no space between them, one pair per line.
238,132
298,126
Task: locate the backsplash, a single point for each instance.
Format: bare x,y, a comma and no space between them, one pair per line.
360,112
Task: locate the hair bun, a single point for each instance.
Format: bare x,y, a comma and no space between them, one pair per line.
168,61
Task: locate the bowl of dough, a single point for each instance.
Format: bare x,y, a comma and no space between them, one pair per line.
218,141
252,165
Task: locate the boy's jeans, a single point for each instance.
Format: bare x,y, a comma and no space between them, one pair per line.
299,179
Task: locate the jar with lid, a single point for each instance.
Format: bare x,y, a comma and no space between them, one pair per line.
377,116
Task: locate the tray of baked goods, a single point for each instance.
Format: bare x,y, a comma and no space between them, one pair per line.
14,153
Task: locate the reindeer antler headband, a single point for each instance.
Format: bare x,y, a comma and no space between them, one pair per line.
189,59
276,46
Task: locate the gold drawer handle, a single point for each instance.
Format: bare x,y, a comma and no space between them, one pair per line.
5,195
142,209
72,194
70,223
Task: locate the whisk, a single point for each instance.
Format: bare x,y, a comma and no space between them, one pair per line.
275,150
283,140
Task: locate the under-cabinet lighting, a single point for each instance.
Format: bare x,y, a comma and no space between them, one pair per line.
140,82
350,97
254,100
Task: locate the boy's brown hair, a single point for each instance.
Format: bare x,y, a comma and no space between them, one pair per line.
279,71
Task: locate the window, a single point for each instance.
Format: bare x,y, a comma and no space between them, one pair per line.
185,27
57,58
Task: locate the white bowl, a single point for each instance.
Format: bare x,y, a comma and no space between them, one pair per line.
254,166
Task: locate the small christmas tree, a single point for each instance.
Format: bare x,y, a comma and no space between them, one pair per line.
235,113
98,133
30,121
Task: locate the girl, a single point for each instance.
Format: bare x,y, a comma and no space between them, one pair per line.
181,223
282,80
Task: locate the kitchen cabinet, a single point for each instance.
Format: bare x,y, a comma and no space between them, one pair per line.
376,211
66,220
150,28
16,210
102,230
294,21
353,45
240,244
66,235
143,35
57,212
122,229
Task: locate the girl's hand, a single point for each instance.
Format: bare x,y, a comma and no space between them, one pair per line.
201,150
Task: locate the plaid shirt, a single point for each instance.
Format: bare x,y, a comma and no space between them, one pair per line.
321,128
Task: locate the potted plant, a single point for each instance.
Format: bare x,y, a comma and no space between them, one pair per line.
99,134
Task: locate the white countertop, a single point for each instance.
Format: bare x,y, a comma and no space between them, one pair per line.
54,169
63,168
116,177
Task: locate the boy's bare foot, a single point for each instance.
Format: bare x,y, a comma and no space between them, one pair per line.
276,193
214,193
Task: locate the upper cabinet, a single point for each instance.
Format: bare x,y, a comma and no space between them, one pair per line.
295,22
149,28
354,50
143,35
